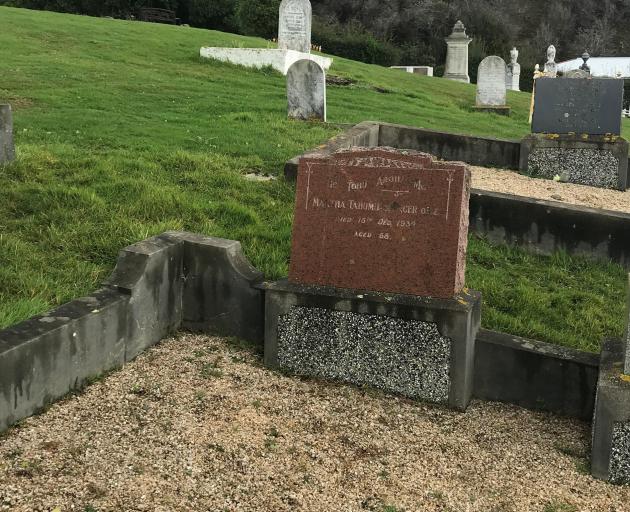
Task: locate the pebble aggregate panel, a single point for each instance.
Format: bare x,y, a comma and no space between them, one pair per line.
619,472
583,166
406,357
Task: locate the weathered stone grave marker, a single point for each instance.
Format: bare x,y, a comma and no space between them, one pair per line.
306,91
491,91
576,133
7,148
513,76
376,293
294,27
457,54
551,68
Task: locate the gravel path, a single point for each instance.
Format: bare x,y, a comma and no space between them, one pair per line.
198,424
511,182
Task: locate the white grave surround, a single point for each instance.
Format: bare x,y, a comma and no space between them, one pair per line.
416,70
280,60
491,82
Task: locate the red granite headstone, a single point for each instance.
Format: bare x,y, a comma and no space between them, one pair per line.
381,220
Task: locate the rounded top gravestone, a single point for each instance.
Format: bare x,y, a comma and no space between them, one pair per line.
306,91
491,82
294,27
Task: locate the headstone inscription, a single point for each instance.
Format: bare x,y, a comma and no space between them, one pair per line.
381,220
7,148
306,91
578,106
294,27
457,54
491,91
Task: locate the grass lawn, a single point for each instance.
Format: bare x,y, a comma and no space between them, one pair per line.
123,132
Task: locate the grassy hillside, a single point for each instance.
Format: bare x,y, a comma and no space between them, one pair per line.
123,132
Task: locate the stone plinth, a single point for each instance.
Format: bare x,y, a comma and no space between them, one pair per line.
280,60
306,91
294,25
457,54
417,347
7,148
597,161
381,219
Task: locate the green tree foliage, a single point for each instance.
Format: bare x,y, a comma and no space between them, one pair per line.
216,14
259,18
354,42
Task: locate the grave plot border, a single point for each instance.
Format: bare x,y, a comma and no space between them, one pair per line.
537,225
184,281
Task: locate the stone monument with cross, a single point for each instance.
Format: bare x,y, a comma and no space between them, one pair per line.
376,291
457,54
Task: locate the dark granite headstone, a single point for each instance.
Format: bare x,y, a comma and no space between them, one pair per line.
564,105
382,220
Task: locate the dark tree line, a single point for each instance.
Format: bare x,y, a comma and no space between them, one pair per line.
411,32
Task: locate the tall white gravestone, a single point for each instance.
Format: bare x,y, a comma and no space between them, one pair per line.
306,91
457,54
513,76
294,27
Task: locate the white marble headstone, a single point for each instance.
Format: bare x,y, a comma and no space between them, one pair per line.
294,28
306,91
491,82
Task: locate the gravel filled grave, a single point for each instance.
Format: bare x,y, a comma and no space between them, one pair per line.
511,182
197,423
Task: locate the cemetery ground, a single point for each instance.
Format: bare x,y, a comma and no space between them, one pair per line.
198,423
123,133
